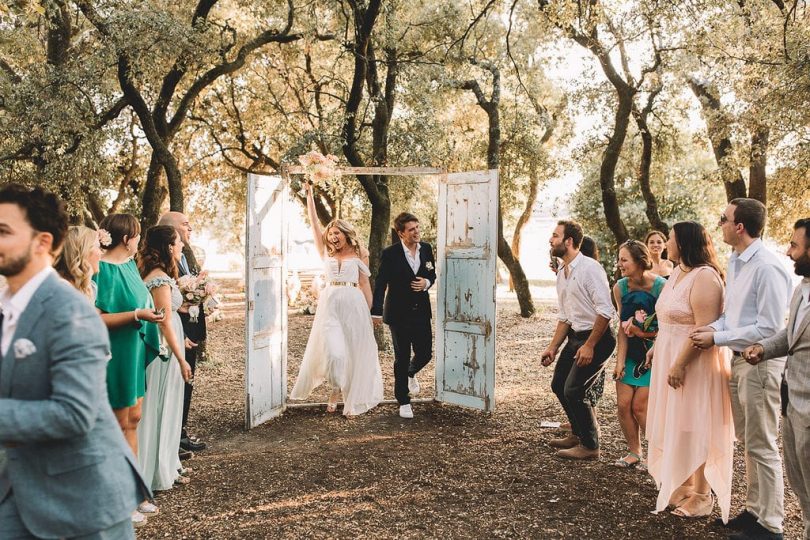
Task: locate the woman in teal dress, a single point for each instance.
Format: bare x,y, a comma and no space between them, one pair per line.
635,293
126,307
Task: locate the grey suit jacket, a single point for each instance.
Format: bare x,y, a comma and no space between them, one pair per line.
69,467
796,345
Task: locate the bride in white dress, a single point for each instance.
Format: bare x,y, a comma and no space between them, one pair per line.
341,349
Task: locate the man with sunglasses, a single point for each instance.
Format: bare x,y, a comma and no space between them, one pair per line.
757,291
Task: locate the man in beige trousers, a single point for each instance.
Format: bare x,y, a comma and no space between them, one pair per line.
794,341
757,291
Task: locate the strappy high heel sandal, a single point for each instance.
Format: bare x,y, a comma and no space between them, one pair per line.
680,495
702,505
622,463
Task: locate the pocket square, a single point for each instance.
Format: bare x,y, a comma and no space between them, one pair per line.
24,347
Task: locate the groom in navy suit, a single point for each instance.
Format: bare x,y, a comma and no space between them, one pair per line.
407,271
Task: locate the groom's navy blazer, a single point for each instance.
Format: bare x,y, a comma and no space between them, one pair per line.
395,275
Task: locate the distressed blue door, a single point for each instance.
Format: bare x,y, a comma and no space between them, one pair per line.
465,308
266,300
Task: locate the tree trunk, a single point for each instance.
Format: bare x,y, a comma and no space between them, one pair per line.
717,127
153,194
607,171
757,179
650,201
525,216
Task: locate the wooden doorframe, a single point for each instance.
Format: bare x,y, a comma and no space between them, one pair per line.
286,174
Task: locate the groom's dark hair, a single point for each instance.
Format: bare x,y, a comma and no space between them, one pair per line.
402,219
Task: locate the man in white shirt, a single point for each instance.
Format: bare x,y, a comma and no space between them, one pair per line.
794,341
585,311
756,301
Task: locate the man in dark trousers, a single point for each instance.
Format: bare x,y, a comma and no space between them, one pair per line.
194,330
407,271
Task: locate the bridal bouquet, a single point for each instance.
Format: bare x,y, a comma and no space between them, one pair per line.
319,168
199,292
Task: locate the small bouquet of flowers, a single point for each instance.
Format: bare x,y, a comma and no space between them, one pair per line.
319,168
647,324
199,292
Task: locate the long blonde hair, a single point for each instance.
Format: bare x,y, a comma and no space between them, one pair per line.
72,263
348,231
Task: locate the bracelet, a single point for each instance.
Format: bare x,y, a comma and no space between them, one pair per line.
136,315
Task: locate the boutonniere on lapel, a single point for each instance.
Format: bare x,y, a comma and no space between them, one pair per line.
23,347
429,265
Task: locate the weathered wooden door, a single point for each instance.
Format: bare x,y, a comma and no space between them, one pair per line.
465,310
266,300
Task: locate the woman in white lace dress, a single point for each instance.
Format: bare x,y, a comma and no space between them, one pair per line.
341,349
159,430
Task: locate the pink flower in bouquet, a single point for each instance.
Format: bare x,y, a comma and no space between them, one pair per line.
319,168
641,316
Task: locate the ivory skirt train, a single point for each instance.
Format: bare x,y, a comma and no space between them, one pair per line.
342,351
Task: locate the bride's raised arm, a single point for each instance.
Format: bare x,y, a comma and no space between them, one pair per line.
315,224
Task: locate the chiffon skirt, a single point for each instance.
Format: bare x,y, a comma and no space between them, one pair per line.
692,425
161,420
342,351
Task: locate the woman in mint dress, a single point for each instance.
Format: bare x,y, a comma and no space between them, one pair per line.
636,294
126,307
166,374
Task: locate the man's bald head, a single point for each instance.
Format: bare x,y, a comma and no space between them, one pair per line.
179,221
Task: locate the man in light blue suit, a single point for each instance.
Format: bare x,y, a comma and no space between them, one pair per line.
65,468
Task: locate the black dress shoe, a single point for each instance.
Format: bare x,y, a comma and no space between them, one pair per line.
192,445
185,454
756,532
740,523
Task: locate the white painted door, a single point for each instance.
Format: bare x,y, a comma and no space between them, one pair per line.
465,310
266,299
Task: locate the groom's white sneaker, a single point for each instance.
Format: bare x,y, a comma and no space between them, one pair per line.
406,411
413,386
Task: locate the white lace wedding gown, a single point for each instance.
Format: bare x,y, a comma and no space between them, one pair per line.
341,349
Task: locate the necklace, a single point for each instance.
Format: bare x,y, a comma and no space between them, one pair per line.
684,269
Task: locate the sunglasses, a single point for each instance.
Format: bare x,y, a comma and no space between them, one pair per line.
723,219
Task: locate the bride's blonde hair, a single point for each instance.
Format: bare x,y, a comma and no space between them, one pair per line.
72,262
348,231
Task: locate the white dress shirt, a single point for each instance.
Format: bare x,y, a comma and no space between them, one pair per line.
415,261
584,294
804,305
14,305
758,291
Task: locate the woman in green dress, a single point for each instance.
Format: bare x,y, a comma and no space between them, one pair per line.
126,307
636,294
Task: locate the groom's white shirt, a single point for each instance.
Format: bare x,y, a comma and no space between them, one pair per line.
415,261
14,305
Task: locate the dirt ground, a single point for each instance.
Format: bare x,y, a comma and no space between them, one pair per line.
448,473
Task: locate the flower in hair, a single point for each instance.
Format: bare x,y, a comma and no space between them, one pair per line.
104,237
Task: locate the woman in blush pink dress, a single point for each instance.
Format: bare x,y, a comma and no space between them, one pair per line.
689,425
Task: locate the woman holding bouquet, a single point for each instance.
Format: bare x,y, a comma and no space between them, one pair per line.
159,433
341,349
127,310
636,294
